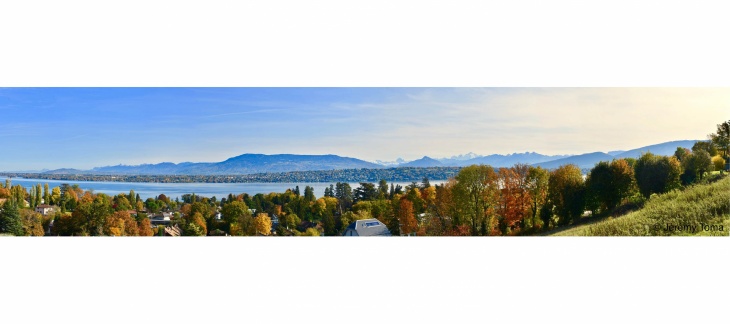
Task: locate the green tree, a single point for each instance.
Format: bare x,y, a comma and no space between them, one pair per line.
567,193
476,191
382,189
38,195
707,146
695,166
309,194
610,183
365,192
657,174
46,194
328,222
537,186
232,212
122,203
344,195
132,198
721,139
92,215
10,220
681,153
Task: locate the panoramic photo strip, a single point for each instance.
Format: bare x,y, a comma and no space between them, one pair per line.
365,162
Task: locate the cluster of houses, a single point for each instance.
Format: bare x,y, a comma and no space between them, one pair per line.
366,227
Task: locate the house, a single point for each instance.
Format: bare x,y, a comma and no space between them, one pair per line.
274,221
163,219
44,209
367,227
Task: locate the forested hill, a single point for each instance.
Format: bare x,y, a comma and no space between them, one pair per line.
349,175
240,165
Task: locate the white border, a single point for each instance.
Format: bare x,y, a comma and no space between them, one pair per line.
364,43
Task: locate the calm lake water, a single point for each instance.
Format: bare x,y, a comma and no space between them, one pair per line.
176,190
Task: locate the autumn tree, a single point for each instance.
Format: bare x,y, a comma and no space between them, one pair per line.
476,190
311,232
4,193
121,223
509,210
55,196
406,217
92,214
195,225
145,227
656,174
67,225
262,224
566,192
121,203
32,222
718,163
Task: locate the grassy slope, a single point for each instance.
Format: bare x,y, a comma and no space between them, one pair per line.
694,206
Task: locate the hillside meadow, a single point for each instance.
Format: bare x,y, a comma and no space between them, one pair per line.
699,210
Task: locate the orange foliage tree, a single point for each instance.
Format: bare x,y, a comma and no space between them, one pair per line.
406,217
145,227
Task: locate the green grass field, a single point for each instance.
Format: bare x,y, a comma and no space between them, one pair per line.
699,210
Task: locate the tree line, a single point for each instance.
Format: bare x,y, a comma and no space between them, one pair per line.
402,174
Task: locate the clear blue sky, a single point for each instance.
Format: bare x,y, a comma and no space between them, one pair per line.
87,127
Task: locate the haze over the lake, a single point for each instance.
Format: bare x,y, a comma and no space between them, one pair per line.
89,127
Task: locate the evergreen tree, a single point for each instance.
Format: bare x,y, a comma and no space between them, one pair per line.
308,193
10,220
382,189
425,183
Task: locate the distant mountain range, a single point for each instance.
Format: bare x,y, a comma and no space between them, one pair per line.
242,164
261,163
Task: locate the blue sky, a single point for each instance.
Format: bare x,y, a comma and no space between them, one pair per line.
87,127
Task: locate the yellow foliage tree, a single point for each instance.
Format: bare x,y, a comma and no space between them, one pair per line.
145,227
718,163
121,224
311,232
32,222
262,223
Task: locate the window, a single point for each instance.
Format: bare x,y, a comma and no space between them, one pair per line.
372,224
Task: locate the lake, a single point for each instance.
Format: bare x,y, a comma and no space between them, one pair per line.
176,190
